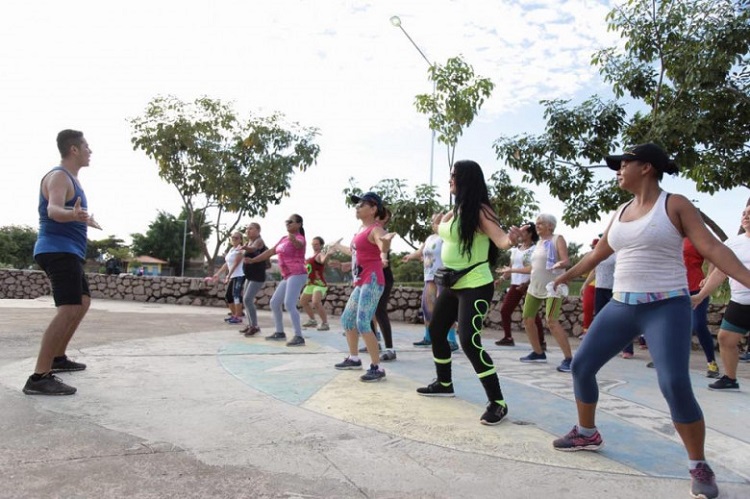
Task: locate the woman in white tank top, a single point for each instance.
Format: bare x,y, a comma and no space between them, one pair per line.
650,297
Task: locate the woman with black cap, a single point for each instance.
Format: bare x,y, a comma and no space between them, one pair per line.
369,251
650,296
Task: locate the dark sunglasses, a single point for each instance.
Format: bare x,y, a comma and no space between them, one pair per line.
290,222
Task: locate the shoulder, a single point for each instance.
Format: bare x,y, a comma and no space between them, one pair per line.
678,201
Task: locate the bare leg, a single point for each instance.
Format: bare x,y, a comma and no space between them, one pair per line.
693,437
560,336
317,300
730,354
58,334
84,308
533,334
586,414
352,340
372,347
305,302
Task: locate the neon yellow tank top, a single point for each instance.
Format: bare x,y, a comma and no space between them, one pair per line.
453,259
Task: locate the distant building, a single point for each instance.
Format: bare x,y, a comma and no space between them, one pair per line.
149,264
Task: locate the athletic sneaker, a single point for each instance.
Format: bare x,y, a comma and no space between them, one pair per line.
310,323
364,349
437,389
64,365
703,482
297,341
564,366
349,364
453,345
245,330
745,356
375,373
494,414
324,327
713,370
650,365
422,343
276,337
574,441
252,331
533,357
49,384
505,342
724,383
235,320
388,356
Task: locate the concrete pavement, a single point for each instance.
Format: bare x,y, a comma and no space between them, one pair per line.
175,403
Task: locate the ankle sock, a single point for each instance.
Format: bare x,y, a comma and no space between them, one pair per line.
586,432
694,463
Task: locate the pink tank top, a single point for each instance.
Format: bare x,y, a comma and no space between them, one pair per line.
366,258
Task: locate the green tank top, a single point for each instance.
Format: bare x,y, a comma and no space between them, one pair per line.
453,259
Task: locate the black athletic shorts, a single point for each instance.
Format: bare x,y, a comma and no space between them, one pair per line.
66,275
736,318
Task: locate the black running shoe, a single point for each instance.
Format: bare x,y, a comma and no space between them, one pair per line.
494,414
49,384
64,365
276,337
725,383
437,389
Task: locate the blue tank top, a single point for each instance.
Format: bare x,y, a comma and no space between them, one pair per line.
56,237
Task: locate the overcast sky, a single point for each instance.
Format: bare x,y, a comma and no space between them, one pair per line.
337,65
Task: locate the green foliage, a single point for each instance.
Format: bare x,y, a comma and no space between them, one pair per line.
458,96
17,246
513,204
412,213
688,63
103,249
412,271
221,162
164,239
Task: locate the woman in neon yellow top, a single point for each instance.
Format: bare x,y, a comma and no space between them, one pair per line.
467,232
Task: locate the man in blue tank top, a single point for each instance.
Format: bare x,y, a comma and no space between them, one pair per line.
60,251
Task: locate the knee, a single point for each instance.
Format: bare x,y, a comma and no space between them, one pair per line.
727,339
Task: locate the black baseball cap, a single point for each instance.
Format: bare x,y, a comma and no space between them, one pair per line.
368,197
648,153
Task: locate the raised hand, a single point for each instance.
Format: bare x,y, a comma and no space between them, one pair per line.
93,223
79,214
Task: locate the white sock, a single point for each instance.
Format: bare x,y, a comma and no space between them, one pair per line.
586,432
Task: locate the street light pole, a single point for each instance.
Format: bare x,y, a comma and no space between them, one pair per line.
396,21
184,243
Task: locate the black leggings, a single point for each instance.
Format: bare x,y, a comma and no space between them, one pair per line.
470,306
381,313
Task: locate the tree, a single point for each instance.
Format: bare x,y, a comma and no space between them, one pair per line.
103,248
513,204
454,104
686,64
17,246
164,239
221,163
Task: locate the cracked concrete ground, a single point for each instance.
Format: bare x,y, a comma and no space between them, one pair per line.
175,404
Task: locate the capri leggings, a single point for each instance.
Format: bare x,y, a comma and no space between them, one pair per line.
470,306
361,306
666,324
700,326
286,294
381,312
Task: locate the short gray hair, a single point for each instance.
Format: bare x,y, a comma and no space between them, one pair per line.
549,219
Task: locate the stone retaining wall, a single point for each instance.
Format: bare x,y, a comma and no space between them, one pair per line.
404,304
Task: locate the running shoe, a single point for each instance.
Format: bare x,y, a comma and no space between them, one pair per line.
453,345
564,366
375,373
235,320
437,389
364,349
422,343
252,331
533,357
703,482
725,383
49,384
310,323
388,356
324,327
276,337
713,370
297,341
745,356
505,342
65,365
349,364
494,414
574,441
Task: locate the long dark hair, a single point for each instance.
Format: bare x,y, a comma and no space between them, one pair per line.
301,224
472,199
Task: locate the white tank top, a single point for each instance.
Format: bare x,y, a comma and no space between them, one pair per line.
540,274
649,252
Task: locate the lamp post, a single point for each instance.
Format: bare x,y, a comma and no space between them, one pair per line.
184,243
396,22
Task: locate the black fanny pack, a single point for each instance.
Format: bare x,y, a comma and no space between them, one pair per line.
448,278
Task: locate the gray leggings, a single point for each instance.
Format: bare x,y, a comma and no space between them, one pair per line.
248,298
286,294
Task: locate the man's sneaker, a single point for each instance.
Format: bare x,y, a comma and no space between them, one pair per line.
276,337
505,342
703,482
574,441
494,414
228,318
310,323
65,365
375,373
745,356
564,366
724,383
422,343
713,370
235,320
437,389
49,384
533,357
324,327
388,356
349,364
453,345
297,341
364,349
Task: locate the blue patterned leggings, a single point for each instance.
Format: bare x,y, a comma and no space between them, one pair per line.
361,306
